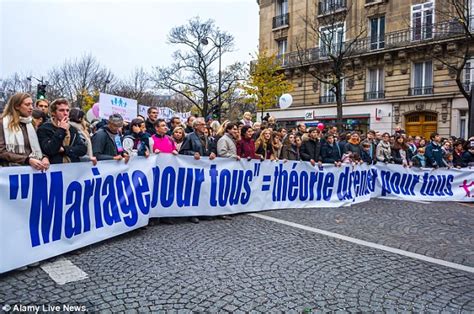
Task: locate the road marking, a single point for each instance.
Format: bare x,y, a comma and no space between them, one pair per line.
63,271
421,202
369,244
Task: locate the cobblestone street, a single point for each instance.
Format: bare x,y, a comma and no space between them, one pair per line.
249,263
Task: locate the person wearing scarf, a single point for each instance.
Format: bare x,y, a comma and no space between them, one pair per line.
60,142
246,144
137,142
419,160
76,120
384,151
353,144
19,143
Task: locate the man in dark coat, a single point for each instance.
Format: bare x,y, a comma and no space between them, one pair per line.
311,149
433,152
150,121
107,142
60,142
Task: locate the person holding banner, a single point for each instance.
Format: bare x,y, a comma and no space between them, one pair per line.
246,144
162,143
107,142
311,148
263,146
330,151
384,150
468,156
138,142
434,152
19,143
76,120
60,142
226,144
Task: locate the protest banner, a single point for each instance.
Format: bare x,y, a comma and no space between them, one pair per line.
110,104
70,206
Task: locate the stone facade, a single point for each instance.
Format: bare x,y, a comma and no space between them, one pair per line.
401,49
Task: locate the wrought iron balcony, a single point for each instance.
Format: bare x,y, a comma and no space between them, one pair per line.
281,20
374,95
402,38
422,90
330,99
331,6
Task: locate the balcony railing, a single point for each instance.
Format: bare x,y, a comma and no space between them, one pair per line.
402,38
422,90
330,99
374,95
281,20
330,6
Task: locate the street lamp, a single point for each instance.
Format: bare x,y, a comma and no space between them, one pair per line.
205,41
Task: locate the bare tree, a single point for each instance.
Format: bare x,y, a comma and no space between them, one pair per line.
456,21
77,76
136,86
332,63
193,74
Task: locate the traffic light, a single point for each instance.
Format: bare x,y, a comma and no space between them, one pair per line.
215,111
41,92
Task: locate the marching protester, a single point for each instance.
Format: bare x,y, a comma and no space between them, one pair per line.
264,147
330,151
39,117
434,152
190,125
384,151
457,154
226,146
276,145
353,144
468,155
366,153
290,151
178,137
58,140
77,121
19,143
419,160
43,105
247,119
161,142
107,141
150,121
197,144
173,124
401,154
311,149
246,144
137,142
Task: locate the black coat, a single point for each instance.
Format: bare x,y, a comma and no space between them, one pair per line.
311,149
365,156
51,140
331,153
150,127
349,147
192,144
103,145
397,157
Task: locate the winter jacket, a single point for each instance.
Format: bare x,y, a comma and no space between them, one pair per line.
352,147
458,160
419,161
384,152
51,140
246,148
104,144
290,152
365,156
226,147
397,155
468,159
311,149
434,155
330,153
137,144
195,144
164,144
150,127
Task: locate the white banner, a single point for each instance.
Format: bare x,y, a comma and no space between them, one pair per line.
74,205
110,104
164,113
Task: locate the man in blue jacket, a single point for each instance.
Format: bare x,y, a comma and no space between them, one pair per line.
433,152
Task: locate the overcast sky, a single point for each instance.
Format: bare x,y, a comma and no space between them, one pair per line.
36,35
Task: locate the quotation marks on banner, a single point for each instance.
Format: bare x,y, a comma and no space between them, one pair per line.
118,102
266,187
17,181
468,188
256,171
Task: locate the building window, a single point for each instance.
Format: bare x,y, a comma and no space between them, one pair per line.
282,16
463,124
468,74
422,19
331,40
282,47
328,93
329,6
282,7
375,84
377,33
422,79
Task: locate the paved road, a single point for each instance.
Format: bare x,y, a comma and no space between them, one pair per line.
254,264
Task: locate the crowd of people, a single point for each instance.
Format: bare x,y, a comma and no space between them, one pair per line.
43,133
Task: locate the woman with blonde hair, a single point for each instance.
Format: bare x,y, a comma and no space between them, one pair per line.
19,143
221,130
263,146
178,136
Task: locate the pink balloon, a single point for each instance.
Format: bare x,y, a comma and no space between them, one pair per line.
95,109
321,126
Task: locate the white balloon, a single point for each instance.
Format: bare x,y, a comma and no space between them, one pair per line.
285,101
90,115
